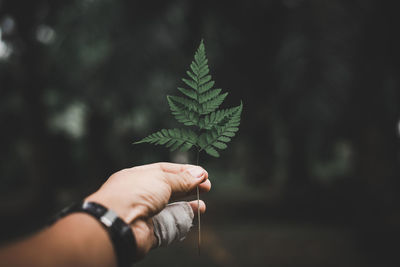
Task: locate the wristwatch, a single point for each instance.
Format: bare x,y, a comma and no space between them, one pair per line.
120,233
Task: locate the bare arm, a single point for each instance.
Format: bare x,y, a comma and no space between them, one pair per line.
77,240
136,195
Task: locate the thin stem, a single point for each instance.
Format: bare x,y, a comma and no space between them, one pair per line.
198,209
197,163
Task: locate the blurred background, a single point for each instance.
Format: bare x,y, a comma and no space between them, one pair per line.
311,179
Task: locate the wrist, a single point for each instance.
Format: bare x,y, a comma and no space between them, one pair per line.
120,233
144,234
127,213
90,243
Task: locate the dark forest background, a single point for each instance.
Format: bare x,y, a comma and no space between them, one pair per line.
312,179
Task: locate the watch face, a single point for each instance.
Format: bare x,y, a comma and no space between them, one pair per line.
109,218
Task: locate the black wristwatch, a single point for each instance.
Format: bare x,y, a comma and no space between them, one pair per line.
121,234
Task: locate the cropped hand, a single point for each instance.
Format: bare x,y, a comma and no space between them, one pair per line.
137,194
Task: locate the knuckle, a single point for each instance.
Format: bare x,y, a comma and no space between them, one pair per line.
165,167
160,166
186,182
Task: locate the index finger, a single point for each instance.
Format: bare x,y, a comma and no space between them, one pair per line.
166,167
184,182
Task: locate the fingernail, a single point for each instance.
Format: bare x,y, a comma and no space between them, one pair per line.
196,172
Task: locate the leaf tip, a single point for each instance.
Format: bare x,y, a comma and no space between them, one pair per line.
201,46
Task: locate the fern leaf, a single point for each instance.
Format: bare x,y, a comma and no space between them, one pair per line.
220,145
192,75
216,117
203,80
190,93
194,67
188,116
172,138
184,103
209,95
219,135
211,105
205,87
191,83
200,54
212,152
204,70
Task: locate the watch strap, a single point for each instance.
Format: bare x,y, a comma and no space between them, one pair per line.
120,233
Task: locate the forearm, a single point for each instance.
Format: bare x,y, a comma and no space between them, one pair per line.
76,240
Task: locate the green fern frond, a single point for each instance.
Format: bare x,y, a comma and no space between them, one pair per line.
198,107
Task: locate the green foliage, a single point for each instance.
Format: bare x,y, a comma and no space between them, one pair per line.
198,107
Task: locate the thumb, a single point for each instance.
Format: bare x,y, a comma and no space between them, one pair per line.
173,223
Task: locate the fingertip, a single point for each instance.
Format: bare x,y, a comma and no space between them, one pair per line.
205,186
197,172
194,205
203,207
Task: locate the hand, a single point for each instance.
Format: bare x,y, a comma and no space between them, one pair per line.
138,193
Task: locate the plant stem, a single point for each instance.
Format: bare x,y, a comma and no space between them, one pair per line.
198,209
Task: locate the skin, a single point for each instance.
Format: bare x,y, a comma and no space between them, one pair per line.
135,194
